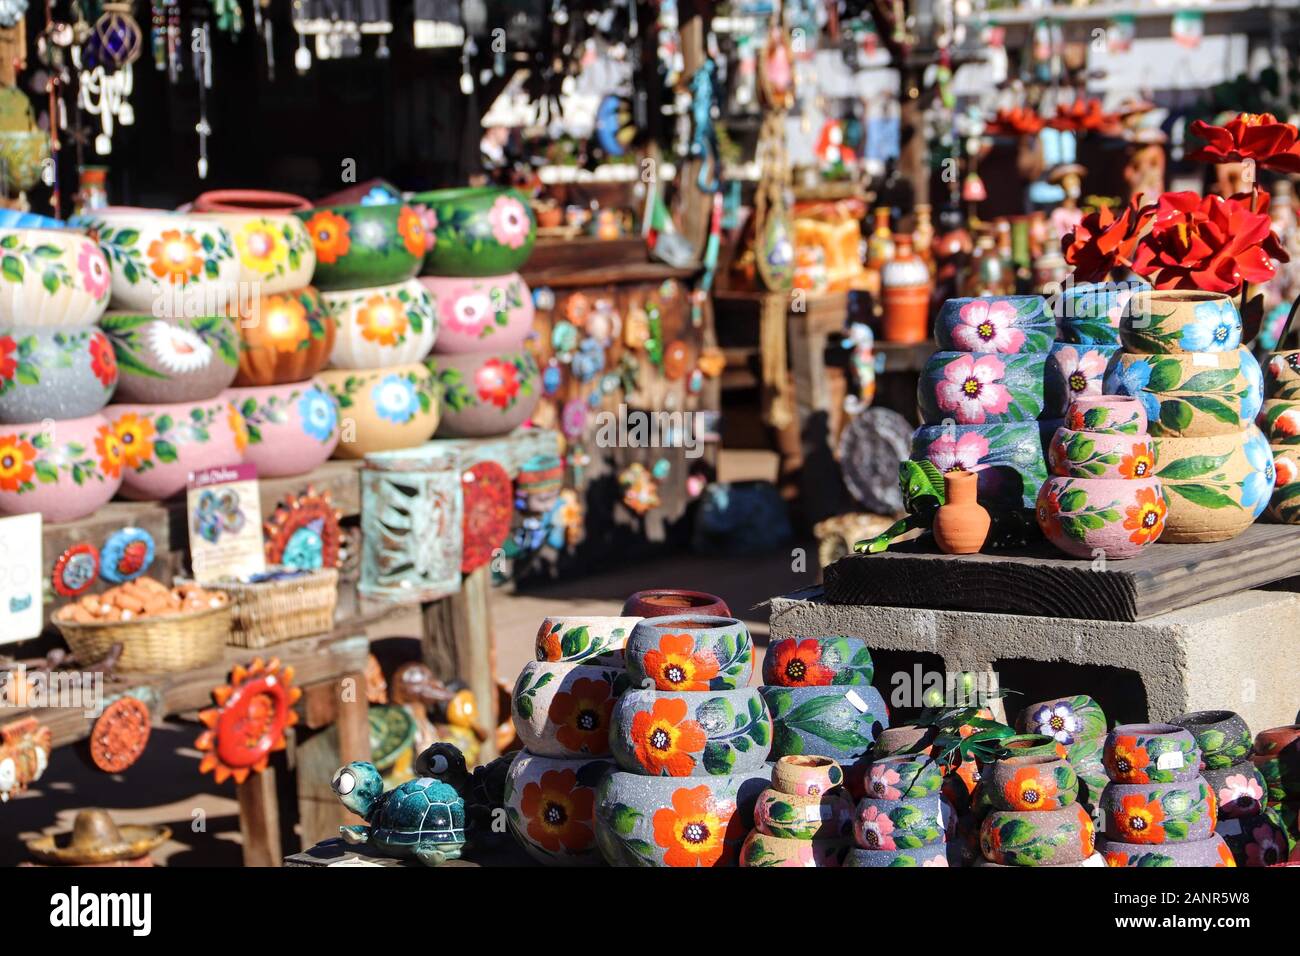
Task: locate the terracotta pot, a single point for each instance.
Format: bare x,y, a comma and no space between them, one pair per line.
1151,753
172,360
365,246
389,408
835,722
961,524
249,201
1088,313
691,733
596,640
886,825
806,776
1030,783
63,470
1073,371
292,429
1037,837
1107,414
275,252
925,856
661,602
1215,486
550,805
1158,812
789,816
975,389
690,652
51,278
905,294
1004,324
54,373
1240,790
1088,517
1255,841
1180,320
1008,458
904,738
565,710
1065,720
1279,420
381,327
761,849
817,661
1282,375
286,338
646,821
1285,503
1222,736
477,231
494,312
1191,394
1075,454
1211,851
162,444
486,393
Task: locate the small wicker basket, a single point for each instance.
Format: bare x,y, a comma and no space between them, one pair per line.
269,612
174,642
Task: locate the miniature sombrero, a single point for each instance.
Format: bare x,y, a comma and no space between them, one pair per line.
95,838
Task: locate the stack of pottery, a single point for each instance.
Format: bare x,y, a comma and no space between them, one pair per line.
382,323
1077,727
980,397
1103,498
1036,819
805,818
1279,419
900,819
1277,756
480,238
1158,810
1087,335
1201,390
691,740
562,707
59,455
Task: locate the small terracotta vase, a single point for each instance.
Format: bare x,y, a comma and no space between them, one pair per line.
961,524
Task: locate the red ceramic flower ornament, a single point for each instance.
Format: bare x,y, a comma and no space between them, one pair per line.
1258,136
1104,241
1019,121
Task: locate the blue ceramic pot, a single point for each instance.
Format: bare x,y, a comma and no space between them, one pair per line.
1004,324
691,733
690,652
1089,313
936,855
835,722
975,389
1073,371
817,661
1009,458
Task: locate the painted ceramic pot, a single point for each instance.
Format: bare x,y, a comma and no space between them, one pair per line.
52,373
904,738
1179,320
1282,375
761,849
1240,790
691,733
1100,455
51,278
292,429
1158,812
1067,720
62,470
817,662
550,805
690,652
494,312
476,231
1151,753
1255,841
936,855
365,246
823,816
1086,757
1037,837
391,408
662,602
275,252
172,360
1284,505
1008,458
981,389
1192,394
1222,737
249,201
287,337
1003,324
1216,486
381,327
1277,757
806,776
675,821
1095,860
1030,783
565,710
909,824
159,445
1073,372
486,393
1279,420
1034,745
596,640
1107,414
1208,852
1088,313
898,777
13,219
1117,517
165,263
835,722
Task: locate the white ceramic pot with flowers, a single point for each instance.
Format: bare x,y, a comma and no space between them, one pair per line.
381,326
275,251
51,278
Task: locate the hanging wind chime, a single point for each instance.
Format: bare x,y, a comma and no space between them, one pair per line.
106,81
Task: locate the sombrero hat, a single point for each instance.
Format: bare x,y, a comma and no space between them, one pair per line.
95,838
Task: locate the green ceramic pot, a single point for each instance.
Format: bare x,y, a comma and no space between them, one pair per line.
835,722
1064,719
1222,736
691,733
898,824
817,661
900,777
1030,783
360,246
762,849
825,816
936,855
1151,753
1211,852
1037,837
476,231
1150,813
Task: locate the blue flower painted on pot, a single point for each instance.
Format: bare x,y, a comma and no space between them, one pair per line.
1257,488
1216,328
1253,399
1131,380
395,399
319,414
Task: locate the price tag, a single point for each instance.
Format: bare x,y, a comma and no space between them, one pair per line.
224,513
21,600
853,698
1170,761
1206,358
815,813
1095,860
1227,827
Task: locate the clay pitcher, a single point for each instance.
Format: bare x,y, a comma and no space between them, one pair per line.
961,524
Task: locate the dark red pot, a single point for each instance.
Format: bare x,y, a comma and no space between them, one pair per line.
249,201
658,602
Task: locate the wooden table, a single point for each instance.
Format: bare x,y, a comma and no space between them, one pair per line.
337,852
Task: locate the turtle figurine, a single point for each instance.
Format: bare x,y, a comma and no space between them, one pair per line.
422,819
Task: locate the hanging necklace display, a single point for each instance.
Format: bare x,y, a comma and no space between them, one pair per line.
201,44
165,37
104,95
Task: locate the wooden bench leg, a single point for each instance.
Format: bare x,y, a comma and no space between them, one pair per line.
457,643
259,819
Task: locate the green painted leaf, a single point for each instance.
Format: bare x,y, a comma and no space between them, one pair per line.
1215,408
718,758
1193,466
1175,414
1165,375
1211,381
1203,496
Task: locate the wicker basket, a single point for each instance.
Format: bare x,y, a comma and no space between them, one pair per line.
273,611
175,642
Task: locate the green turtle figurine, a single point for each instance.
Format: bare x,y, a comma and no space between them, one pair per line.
422,819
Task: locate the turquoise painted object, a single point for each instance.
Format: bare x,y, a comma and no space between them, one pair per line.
1088,313
983,389
839,722
1008,457
1004,324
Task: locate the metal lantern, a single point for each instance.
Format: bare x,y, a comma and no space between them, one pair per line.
114,40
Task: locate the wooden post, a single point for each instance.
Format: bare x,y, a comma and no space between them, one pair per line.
259,819
458,643
353,719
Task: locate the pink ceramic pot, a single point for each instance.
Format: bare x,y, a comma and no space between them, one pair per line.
495,312
1100,455
486,393
162,444
63,470
1088,517
292,428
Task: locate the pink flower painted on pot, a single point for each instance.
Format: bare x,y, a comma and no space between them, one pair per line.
428,219
94,270
510,222
880,784
960,454
875,829
935,861
467,314
1082,371
971,390
987,326
1264,848
1240,787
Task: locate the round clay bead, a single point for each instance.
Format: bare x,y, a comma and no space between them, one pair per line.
1151,753
1037,837
763,849
898,824
1158,812
817,662
690,652
1031,783
806,775
1221,735
1238,790
826,816
1212,851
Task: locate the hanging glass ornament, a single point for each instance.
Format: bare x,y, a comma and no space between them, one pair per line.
114,40
229,16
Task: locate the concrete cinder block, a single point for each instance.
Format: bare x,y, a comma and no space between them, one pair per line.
1240,652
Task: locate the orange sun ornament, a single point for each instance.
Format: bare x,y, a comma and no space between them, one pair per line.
248,724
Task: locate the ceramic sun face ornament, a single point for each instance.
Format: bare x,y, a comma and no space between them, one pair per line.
275,252
363,246
477,231
51,278
381,326
54,373
172,360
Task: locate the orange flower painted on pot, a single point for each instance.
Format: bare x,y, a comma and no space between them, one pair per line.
286,322
581,716
799,663
1028,790
1140,820
693,829
1114,858
1213,810
382,320
1225,856
329,234
411,229
260,246
674,665
1140,464
103,360
136,435
111,454
664,739
175,257
1087,832
1126,762
238,427
16,462
1146,519
558,812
